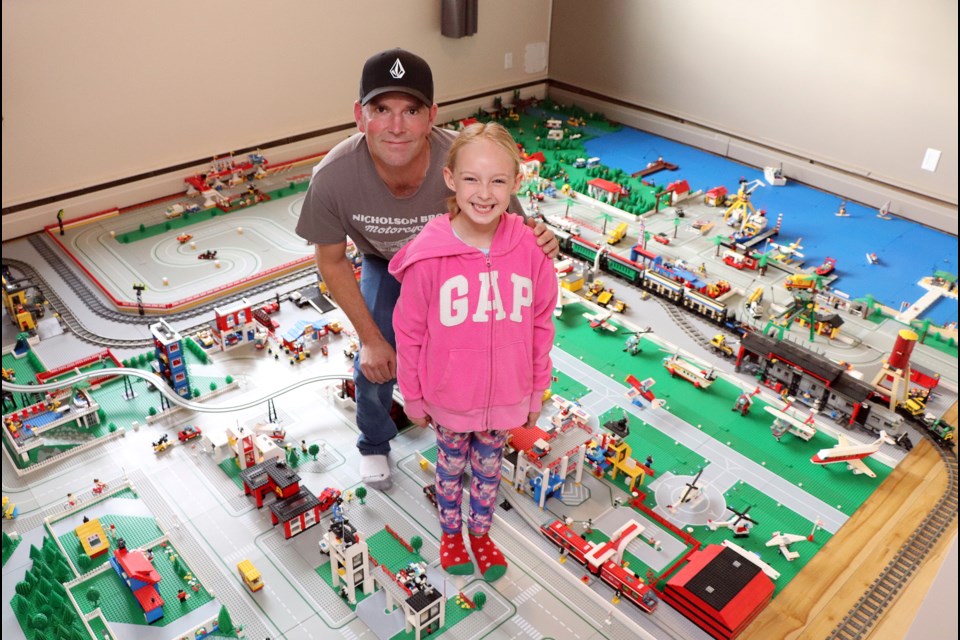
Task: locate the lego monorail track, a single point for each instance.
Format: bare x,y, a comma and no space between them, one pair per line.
860,619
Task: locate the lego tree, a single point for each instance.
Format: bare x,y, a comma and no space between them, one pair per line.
417,543
361,491
224,623
93,596
480,599
314,450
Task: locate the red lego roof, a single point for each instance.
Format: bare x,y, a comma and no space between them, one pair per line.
719,590
522,439
538,155
679,186
148,597
606,185
136,565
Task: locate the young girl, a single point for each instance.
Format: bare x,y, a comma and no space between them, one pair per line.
474,329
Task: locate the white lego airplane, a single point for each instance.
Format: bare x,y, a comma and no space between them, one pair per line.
789,250
564,296
784,540
786,421
852,454
601,320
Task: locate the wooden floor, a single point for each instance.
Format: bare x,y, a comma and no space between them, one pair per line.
828,587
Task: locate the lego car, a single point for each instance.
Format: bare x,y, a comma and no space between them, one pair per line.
662,238
189,433
430,491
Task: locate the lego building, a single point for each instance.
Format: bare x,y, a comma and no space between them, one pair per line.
297,513
720,590
349,561
270,477
137,572
169,349
548,456
233,324
423,605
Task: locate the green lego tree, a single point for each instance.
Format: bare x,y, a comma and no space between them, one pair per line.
361,493
314,450
480,599
224,623
39,622
416,542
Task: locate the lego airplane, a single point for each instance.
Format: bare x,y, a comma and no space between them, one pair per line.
784,540
601,320
679,366
852,454
785,422
789,250
564,296
640,392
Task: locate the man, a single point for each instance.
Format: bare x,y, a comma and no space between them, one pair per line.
380,187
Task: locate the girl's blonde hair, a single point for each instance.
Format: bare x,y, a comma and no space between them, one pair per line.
491,131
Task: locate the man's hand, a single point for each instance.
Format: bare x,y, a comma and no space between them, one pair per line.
378,361
546,240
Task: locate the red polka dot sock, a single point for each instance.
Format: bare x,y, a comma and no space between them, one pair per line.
453,555
491,562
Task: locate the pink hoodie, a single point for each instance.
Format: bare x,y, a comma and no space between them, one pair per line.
474,366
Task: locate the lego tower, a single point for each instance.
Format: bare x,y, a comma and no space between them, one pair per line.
169,349
893,380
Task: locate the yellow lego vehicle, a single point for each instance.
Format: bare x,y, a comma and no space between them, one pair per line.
250,575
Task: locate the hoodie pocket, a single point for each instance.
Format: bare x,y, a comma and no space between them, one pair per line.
513,373
465,383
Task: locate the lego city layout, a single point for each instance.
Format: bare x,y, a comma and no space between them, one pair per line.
179,453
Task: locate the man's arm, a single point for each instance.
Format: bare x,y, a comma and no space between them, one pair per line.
378,361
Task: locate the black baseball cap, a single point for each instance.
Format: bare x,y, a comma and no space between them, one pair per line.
396,70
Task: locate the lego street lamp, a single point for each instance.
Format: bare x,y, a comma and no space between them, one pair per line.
140,288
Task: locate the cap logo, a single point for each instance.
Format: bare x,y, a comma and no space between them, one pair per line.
397,71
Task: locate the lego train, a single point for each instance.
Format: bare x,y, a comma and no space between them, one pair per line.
620,578
657,277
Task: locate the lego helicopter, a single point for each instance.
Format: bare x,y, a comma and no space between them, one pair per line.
692,495
740,523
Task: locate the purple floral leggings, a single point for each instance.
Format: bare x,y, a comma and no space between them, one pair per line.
485,451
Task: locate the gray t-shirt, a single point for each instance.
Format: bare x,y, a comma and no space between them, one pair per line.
348,198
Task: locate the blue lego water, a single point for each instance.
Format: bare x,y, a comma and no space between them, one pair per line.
906,251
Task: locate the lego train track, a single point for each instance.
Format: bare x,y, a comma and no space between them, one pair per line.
95,304
860,620
681,319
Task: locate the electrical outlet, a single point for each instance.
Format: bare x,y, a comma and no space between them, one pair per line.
508,60
930,160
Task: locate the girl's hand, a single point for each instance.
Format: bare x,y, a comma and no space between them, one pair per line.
421,422
532,420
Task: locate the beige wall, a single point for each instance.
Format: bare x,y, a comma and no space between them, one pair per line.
102,90
99,90
860,85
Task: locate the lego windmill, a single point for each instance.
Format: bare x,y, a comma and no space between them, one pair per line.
893,380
